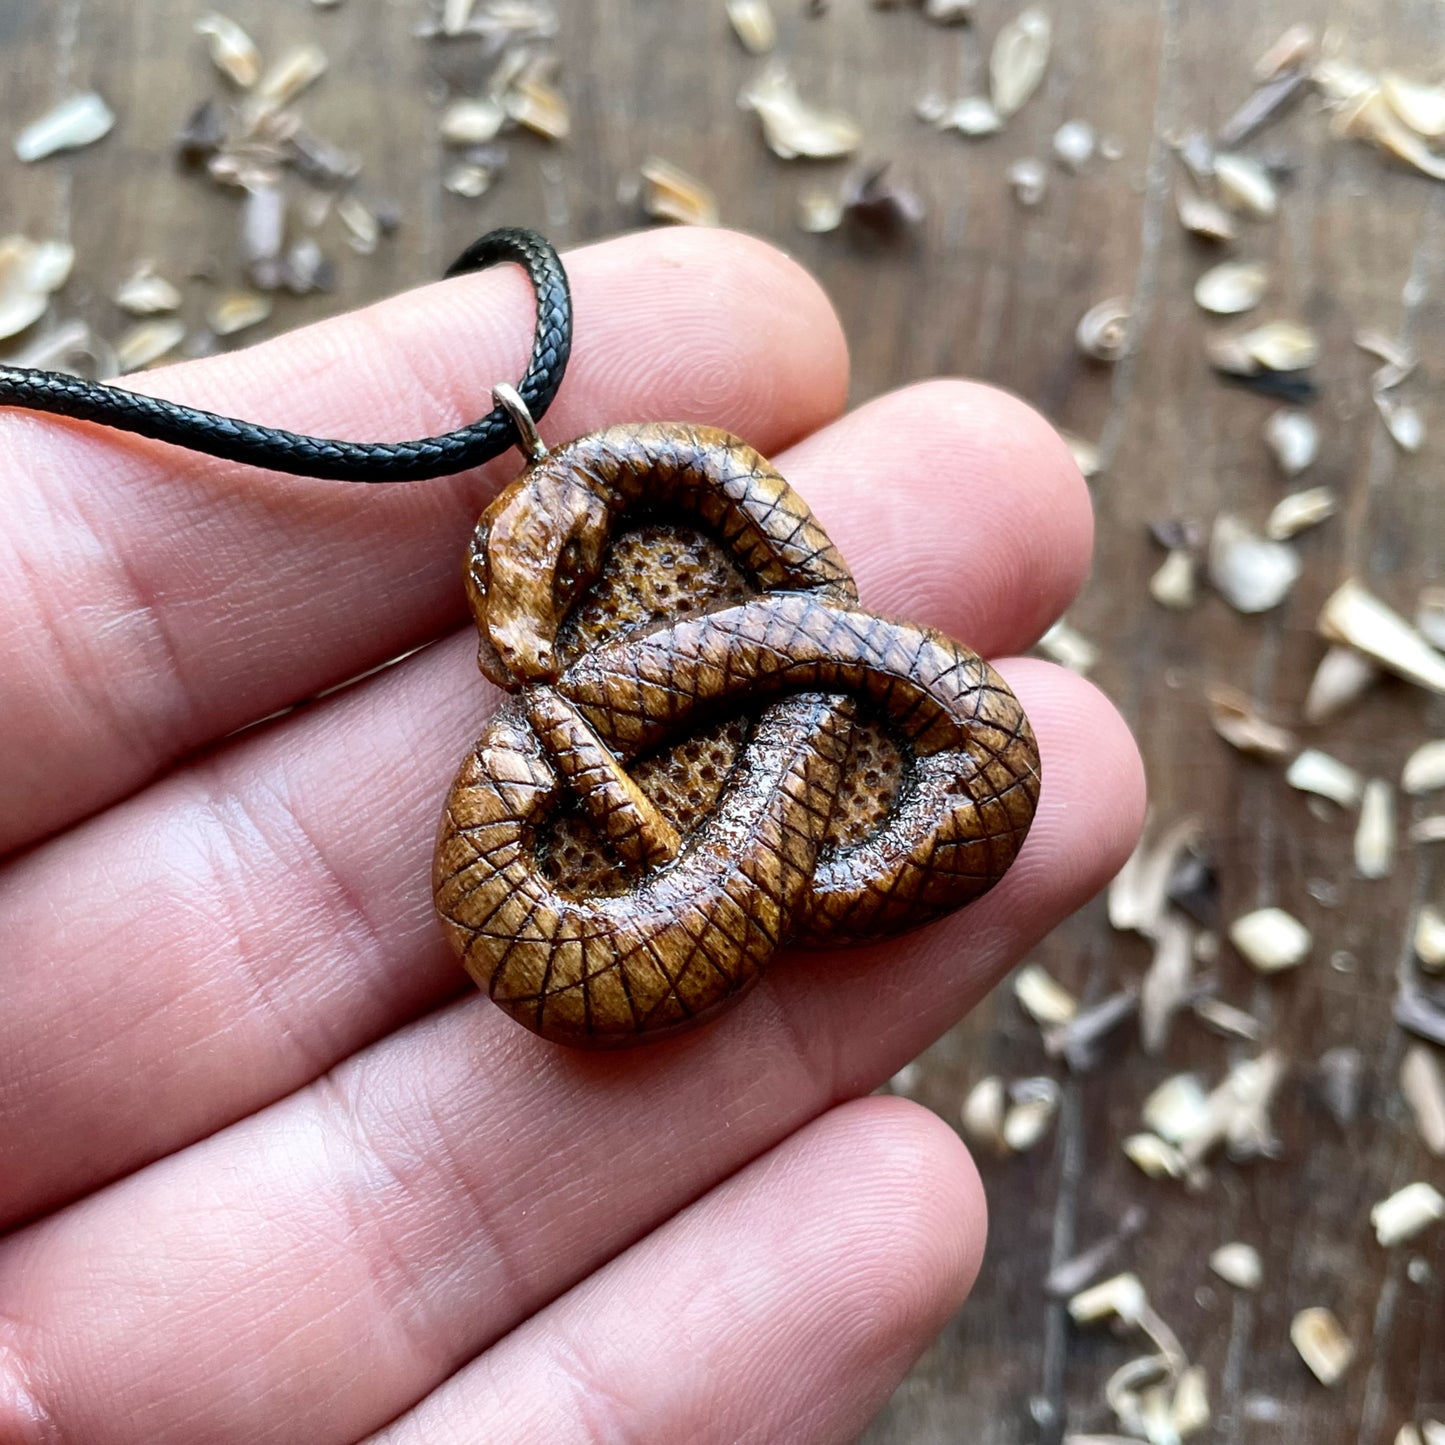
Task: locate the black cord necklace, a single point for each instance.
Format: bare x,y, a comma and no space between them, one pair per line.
307,456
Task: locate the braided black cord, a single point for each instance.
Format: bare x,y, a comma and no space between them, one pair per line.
306,456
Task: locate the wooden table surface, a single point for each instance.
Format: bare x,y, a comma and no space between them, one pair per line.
988,289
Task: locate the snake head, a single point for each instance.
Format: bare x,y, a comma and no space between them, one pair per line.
545,537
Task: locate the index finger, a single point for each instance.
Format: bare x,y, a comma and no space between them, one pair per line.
157,599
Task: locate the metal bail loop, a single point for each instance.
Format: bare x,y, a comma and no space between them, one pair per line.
510,400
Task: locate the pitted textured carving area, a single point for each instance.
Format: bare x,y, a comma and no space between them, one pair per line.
712,751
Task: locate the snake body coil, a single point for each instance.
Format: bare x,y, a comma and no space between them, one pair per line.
781,857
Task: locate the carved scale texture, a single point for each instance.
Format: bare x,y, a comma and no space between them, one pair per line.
712,750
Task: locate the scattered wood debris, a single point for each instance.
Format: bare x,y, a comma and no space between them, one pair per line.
1422,1082
80,121
1355,617
1294,439
1019,58
792,127
1407,1213
1242,726
1033,1103
1239,1265
753,24
1314,771
1252,573
1322,1344
1043,997
1232,287
1271,939
670,194
31,272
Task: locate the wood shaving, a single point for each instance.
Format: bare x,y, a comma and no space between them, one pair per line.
1189,1412
30,273
144,293
1167,983
1232,287
1407,1213
469,179
669,193
973,116
1322,1344
1315,771
1403,421
1371,118
473,120
1429,830
1342,678
820,210
1236,719
1104,331
1074,144
1224,1018
948,12
1138,895
1420,107
1422,1082
1028,178
1177,1109
1069,648
1245,185
1042,997
983,1114
1424,769
1271,939
1154,1157
1429,938
1354,617
1375,833
538,106
80,121
792,127
1121,1298
1239,1265
1176,584
753,24
1203,217
1293,48
1018,60
1033,1103
233,52
236,311
1250,572
147,342
1294,439
1298,512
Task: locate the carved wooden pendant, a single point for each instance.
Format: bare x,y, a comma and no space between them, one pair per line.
710,751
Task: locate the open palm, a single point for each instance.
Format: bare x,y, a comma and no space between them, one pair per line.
269,1169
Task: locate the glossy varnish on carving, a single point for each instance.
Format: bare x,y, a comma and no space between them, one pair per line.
711,750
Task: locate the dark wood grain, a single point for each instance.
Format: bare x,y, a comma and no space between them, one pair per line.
986,289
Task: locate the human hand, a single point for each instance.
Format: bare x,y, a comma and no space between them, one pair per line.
272,1171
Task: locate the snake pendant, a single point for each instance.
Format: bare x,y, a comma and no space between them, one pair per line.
710,751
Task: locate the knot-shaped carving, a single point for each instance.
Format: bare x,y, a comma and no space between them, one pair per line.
710,750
